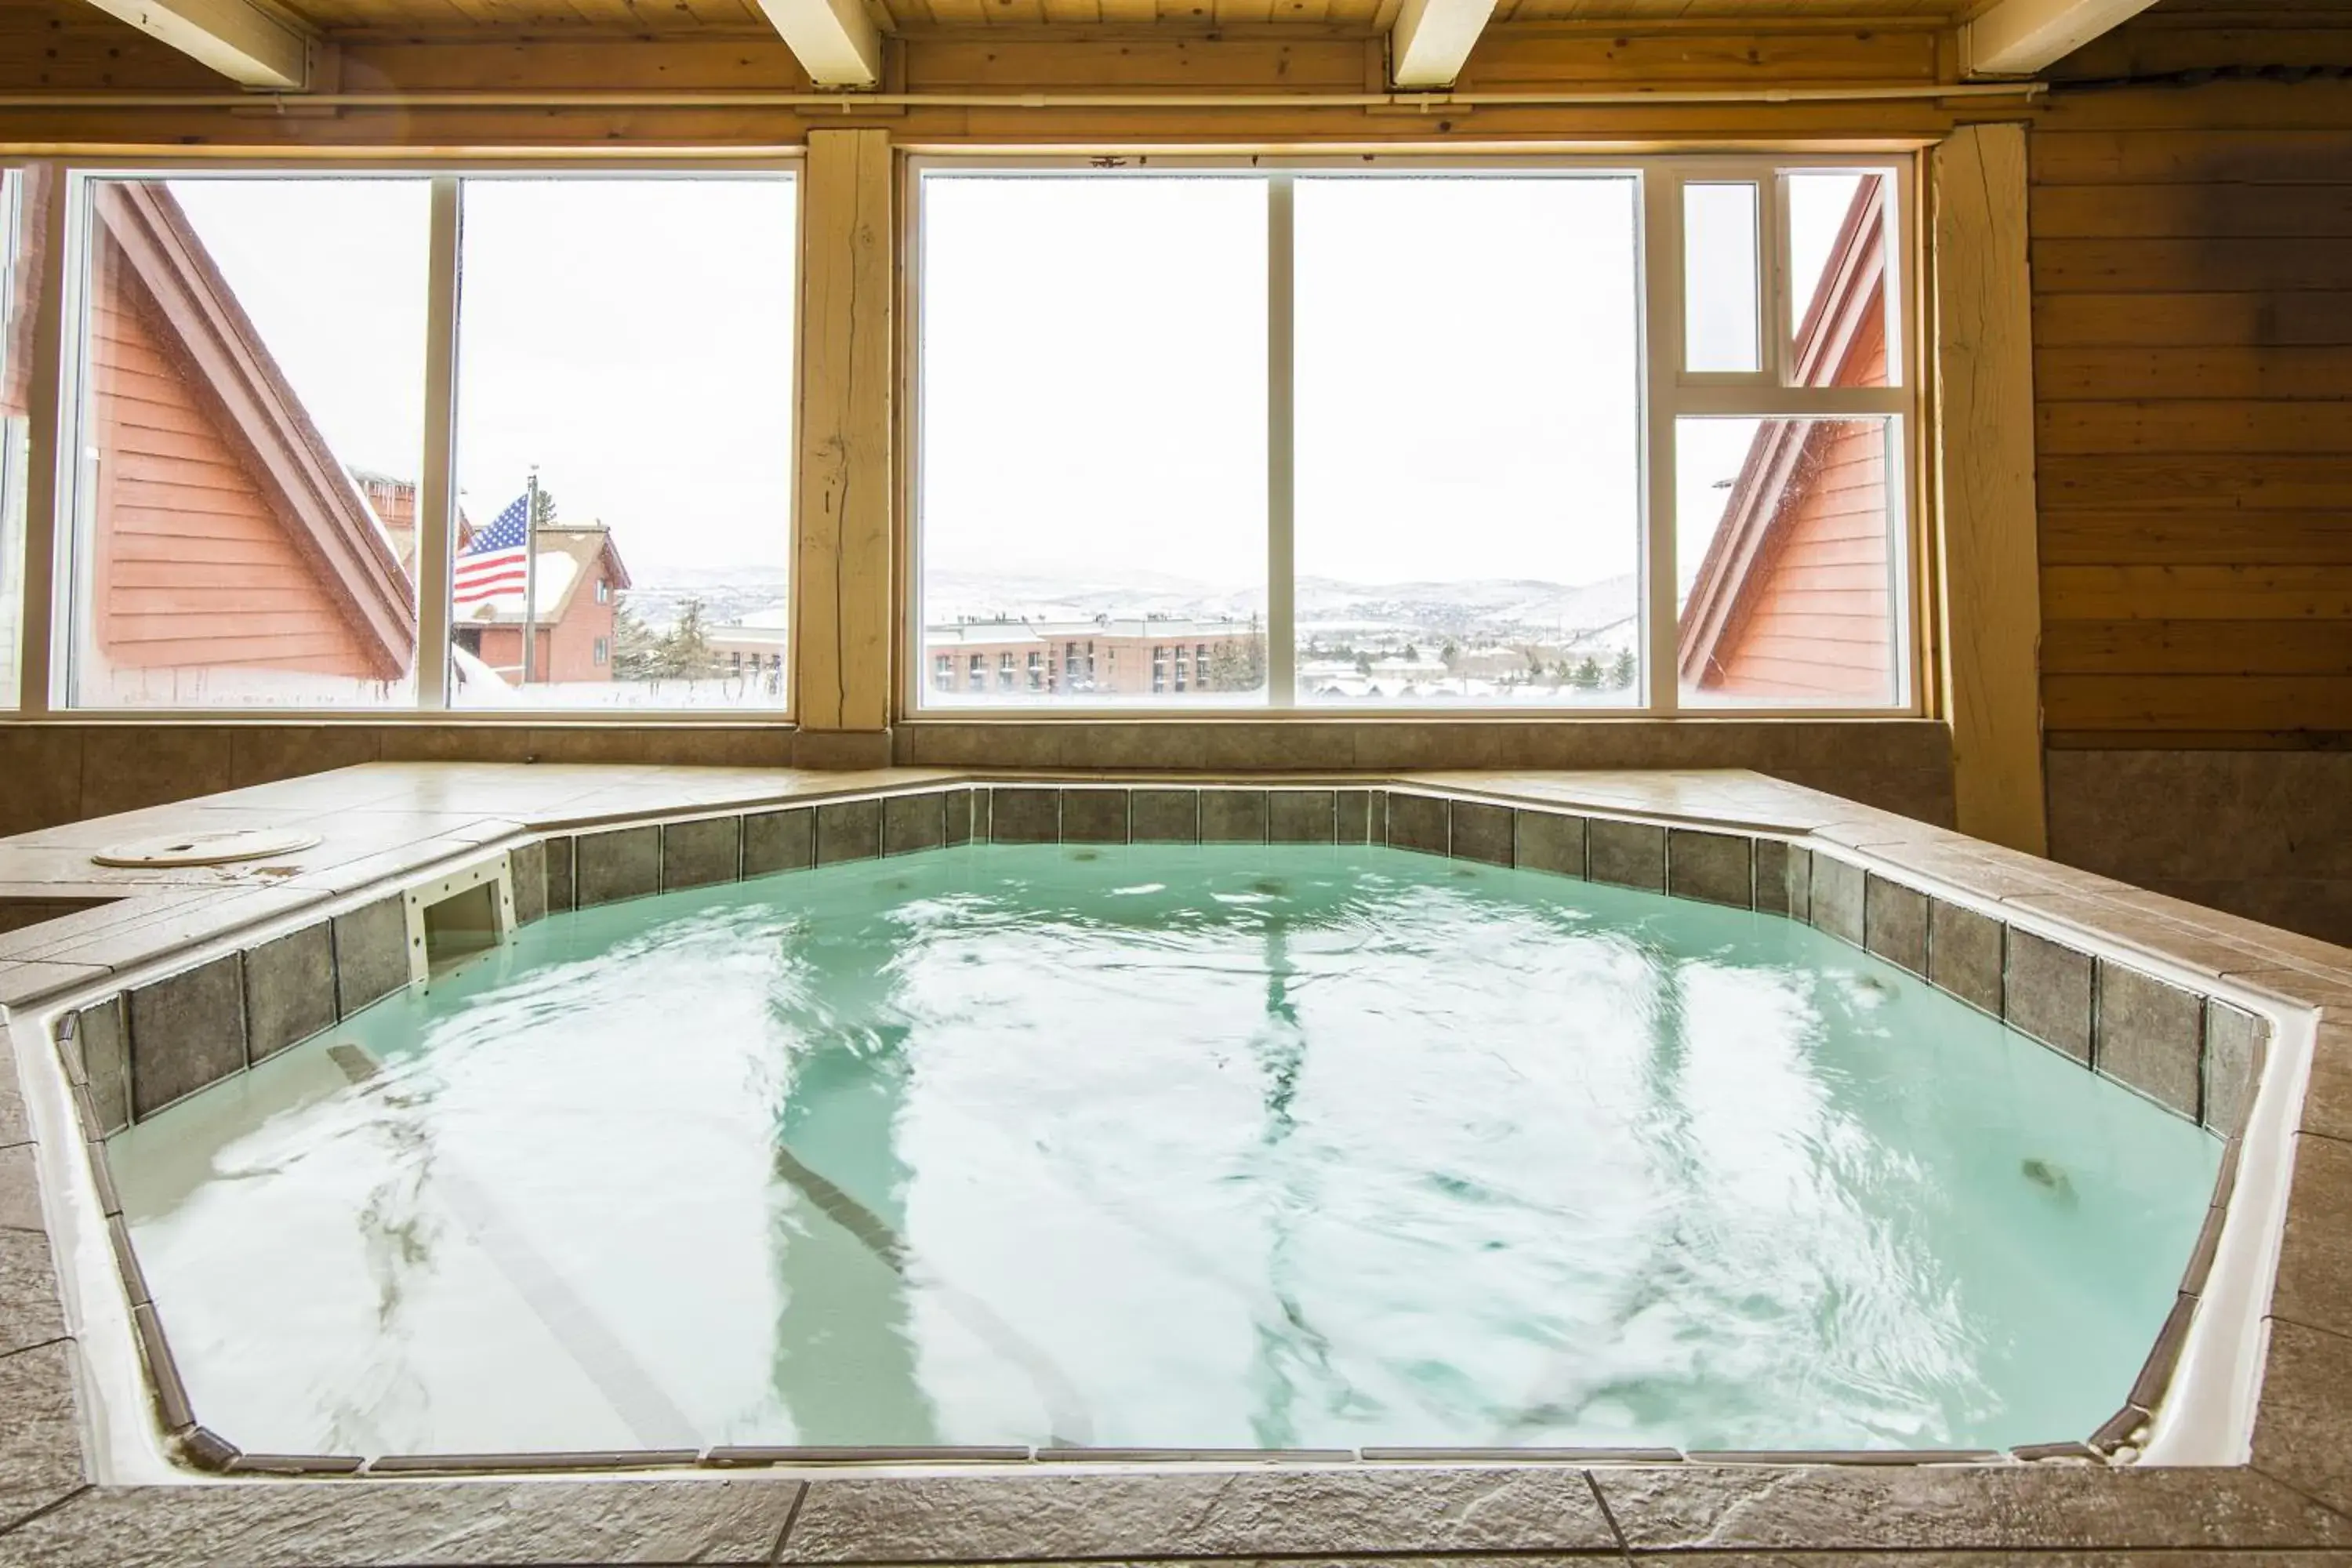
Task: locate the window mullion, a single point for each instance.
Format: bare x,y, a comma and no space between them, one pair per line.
436,491
1281,433
1662,309
50,492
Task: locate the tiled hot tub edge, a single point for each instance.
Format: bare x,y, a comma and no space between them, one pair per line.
2068,997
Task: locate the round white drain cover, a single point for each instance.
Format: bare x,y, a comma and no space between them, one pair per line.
222,848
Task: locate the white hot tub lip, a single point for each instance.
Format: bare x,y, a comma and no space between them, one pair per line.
2205,1418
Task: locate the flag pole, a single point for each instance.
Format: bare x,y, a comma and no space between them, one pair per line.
530,572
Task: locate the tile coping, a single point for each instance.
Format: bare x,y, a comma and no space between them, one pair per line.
2193,1411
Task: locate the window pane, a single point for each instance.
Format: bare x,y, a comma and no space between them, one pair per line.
252,414
624,372
1719,278
1091,512
1468,472
19,233
1785,543
1841,286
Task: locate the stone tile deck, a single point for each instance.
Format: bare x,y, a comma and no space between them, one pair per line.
1941,898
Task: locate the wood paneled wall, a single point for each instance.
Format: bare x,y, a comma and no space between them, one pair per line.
2192,287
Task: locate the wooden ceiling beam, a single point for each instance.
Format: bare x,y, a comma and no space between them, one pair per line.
2019,37
835,40
245,42
1431,39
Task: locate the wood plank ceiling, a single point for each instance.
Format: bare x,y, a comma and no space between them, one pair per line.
465,16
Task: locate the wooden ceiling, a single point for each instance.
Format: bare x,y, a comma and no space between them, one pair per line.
458,17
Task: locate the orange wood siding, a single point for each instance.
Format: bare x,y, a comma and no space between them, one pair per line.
1817,624
192,567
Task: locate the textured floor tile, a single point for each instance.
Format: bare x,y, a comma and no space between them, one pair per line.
1837,898
2151,1035
1626,853
1549,841
917,822
2314,1283
2303,1421
1025,816
1418,822
1482,832
289,989
371,953
2232,1057
1093,816
1895,923
1305,816
526,869
40,1438
701,854
1958,1508
779,841
848,830
616,864
1964,954
1058,1517
187,1030
30,1312
2046,993
1165,816
1714,868
1232,817
429,1524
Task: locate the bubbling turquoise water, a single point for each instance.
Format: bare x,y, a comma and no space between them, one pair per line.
1217,1146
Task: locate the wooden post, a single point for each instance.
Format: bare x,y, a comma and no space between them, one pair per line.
841,587
1984,452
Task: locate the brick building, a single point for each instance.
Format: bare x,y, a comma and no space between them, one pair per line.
1104,656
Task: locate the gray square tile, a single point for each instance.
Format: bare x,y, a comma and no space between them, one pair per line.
779,841
1376,825
1418,822
619,862
2234,1060
1352,816
701,854
1165,816
1232,817
848,830
1302,815
958,808
914,822
558,853
526,869
289,989
1800,883
983,816
371,953
187,1030
1482,832
1838,898
1772,876
1713,868
1894,923
2151,1035
1093,816
1964,954
106,1057
1626,853
2046,993
1549,841
1019,815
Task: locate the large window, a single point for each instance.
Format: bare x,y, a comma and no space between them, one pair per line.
624,443
1396,437
19,221
253,407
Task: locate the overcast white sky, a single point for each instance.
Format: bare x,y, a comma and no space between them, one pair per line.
1094,385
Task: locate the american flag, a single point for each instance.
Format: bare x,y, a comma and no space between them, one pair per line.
498,560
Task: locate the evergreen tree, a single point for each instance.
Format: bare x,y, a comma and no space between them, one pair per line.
1620,675
1411,654
685,650
1364,664
1238,666
637,651
542,507
1586,677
